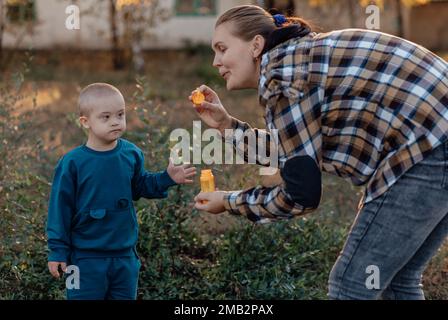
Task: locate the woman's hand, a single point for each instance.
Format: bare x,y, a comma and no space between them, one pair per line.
211,111
212,202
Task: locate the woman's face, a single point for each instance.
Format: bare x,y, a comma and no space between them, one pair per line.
234,58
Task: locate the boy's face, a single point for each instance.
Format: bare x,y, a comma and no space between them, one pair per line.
107,119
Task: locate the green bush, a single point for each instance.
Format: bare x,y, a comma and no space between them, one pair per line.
285,260
23,194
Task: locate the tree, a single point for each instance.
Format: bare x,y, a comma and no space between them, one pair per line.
287,7
17,18
2,28
117,54
130,23
139,18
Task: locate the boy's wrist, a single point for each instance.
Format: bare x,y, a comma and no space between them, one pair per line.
166,181
58,256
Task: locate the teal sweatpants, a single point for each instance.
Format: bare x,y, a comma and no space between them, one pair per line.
106,279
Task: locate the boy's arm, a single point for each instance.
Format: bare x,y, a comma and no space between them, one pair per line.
60,212
150,185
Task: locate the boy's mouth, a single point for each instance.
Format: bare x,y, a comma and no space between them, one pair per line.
116,131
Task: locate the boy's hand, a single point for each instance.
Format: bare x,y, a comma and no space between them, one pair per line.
53,266
180,174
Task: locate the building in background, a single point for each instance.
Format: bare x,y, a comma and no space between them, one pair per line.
40,24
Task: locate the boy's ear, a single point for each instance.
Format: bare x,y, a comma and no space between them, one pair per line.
84,122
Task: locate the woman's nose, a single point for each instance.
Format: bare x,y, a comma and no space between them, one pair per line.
216,62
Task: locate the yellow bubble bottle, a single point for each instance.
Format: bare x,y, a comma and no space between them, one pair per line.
207,181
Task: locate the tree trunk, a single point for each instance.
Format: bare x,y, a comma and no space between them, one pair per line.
399,9
352,5
117,55
2,28
136,41
137,56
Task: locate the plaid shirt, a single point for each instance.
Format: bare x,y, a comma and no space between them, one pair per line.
365,105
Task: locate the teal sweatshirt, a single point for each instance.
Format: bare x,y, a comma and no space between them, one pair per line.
91,212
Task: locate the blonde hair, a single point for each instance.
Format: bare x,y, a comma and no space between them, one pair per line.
250,20
90,94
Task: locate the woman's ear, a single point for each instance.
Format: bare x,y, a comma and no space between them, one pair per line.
258,43
84,122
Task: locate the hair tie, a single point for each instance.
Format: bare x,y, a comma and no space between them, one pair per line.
279,19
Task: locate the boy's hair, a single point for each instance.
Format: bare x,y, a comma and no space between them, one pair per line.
90,94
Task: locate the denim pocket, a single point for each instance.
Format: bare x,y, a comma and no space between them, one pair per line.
365,216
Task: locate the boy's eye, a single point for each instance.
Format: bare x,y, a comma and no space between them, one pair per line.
105,117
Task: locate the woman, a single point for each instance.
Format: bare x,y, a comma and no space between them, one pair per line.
364,105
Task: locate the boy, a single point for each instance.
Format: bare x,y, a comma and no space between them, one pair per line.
91,218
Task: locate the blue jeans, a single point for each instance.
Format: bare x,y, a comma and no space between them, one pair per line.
397,233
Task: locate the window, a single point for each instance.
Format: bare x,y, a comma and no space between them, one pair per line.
20,10
195,7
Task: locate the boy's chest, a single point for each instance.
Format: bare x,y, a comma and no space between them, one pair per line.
106,174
